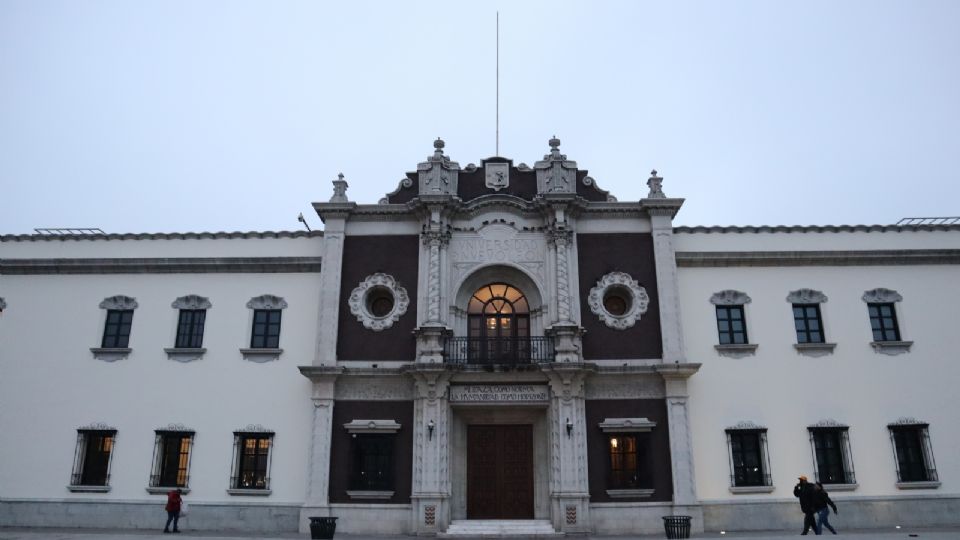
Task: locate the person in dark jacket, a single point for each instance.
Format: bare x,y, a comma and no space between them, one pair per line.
821,501
806,492
174,500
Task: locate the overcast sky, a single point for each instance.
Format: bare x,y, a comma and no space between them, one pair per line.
205,116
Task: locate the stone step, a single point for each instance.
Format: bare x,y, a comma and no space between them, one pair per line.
500,528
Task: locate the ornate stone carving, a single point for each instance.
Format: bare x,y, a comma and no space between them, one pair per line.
626,425
730,297
372,426
907,421
97,426
435,240
497,175
254,428
806,296
881,296
637,299
374,388
556,174
378,282
438,175
191,301
119,302
746,425
404,183
655,183
828,423
267,301
340,190
176,427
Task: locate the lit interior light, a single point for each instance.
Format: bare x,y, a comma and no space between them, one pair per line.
613,443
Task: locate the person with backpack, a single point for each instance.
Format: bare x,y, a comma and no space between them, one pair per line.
807,494
821,501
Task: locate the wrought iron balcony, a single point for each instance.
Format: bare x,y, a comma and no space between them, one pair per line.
475,350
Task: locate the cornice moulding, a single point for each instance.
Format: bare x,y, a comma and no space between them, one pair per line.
222,235
706,259
713,229
175,265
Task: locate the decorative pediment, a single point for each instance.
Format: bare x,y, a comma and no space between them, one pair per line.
267,301
372,426
176,428
191,301
626,425
97,426
881,296
827,423
746,425
730,297
119,302
438,174
907,421
806,296
254,428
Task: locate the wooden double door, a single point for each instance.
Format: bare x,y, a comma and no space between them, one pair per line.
500,472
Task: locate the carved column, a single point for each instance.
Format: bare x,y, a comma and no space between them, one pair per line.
565,331
569,483
318,467
431,440
681,446
433,330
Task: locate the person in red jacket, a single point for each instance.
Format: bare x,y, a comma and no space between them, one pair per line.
174,500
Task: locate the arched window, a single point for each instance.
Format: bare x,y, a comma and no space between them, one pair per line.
498,318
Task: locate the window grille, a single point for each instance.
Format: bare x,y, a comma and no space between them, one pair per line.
92,457
252,457
172,453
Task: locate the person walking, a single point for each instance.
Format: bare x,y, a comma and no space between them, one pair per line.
807,494
174,501
821,501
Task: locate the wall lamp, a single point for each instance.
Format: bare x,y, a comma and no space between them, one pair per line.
569,427
430,426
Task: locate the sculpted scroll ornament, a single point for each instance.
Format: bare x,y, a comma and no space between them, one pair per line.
730,298
806,296
637,299
119,302
378,282
881,296
267,301
191,301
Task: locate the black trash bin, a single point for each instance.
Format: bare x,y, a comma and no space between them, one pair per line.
677,526
322,528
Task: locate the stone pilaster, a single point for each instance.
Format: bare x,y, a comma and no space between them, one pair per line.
334,215
565,330
681,446
430,495
569,484
318,467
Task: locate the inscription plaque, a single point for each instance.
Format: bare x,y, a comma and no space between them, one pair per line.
499,393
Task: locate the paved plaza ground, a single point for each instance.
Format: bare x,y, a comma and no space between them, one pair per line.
111,534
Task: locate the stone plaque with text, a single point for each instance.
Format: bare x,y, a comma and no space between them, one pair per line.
499,393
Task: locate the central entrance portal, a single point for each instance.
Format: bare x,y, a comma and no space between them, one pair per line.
500,472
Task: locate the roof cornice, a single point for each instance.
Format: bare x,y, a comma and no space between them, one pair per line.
160,236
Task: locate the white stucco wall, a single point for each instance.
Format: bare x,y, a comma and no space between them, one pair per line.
51,384
786,392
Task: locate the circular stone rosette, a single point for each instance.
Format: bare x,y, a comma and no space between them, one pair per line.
620,290
379,301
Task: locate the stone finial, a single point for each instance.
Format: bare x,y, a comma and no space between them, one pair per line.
656,186
554,154
438,146
438,175
340,190
556,174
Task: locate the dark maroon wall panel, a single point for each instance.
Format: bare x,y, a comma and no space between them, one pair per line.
365,255
656,472
341,459
600,254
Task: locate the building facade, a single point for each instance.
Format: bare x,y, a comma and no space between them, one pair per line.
488,342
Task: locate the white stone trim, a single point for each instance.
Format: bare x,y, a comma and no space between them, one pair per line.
191,301
730,297
637,296
163,490
358,301
918,485
841,487
737,350
891,348
261,356
740,490
814,349
90,489
185,354
250,492
881,296
372,426
806,296
267,301
119,302
626,425
110,354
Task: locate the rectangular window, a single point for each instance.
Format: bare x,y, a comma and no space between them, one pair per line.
190,328
171,466
252,460
748,460
91,464
731,325
914,455
883,322
372,462
266,329
627,459
831,449
806,320
116,331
